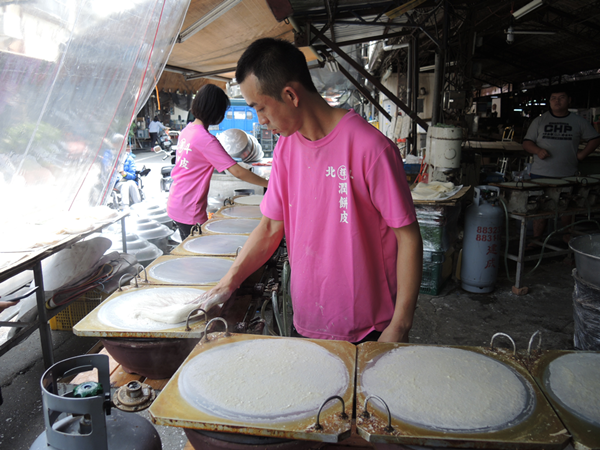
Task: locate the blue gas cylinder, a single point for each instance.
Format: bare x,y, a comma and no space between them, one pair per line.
481,243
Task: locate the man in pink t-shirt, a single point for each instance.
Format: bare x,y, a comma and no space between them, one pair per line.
339,193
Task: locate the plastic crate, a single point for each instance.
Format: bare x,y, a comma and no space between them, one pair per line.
77,310
433,257
438,225
437,268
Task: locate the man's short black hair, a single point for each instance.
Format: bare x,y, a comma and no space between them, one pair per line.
559,88
210,104
275,63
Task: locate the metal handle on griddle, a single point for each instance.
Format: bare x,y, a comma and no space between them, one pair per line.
187,322
205,337
505,335
140,268
343,414
365,414
539,346
128,279
276,313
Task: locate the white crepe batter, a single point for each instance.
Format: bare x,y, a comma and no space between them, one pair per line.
275,380
147,309
448,388
575,379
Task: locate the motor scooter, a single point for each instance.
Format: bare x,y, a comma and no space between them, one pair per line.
116,201
165,172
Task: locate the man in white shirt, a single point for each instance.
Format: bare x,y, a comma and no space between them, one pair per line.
154,129
553,139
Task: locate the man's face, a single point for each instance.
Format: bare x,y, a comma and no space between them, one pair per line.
281,117
559,102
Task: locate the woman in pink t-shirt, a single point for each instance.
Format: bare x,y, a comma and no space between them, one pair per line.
198,154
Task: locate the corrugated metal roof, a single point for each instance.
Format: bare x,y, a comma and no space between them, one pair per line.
477,38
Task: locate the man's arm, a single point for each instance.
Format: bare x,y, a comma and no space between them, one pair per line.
259,247
409,269
589,148
531,147
245,175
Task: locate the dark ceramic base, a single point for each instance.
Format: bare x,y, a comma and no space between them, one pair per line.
209,440
151,358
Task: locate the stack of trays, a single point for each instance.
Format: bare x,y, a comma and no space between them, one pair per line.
241,145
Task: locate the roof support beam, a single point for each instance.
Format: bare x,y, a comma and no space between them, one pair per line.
373,80
361,89
207,74
366,39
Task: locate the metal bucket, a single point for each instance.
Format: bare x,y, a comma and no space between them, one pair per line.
587,257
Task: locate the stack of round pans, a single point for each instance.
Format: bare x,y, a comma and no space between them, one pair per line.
144,251
241,145
256,152
152,212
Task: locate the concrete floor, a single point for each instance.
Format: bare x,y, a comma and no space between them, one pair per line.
454,317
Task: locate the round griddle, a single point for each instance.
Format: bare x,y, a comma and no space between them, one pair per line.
240,212
113,317
188,270
585,432
252,200
212,244
183,403
536,426
230,226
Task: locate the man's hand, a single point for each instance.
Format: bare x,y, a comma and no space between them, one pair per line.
393,334
542,153
212,298
4,305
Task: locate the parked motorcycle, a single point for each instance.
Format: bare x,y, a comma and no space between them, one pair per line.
166,140
165,172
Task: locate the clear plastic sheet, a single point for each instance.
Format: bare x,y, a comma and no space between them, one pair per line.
586,313
72,77
439,226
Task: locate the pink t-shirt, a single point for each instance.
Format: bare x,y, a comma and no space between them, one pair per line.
338,198
198,153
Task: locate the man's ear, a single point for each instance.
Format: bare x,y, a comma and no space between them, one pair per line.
290,95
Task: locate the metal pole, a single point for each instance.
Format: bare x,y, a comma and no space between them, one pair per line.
440,67
415,92
437,87
409,76
44,327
